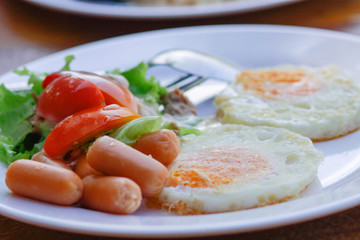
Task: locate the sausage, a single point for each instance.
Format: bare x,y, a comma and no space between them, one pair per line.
163,145
83,169
43,182
112,157
111,194
44,158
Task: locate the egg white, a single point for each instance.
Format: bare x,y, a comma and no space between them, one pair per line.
291,159
331,111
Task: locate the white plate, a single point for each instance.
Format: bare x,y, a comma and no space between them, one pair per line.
335,189
126,10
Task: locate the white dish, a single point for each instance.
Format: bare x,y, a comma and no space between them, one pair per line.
335,189
127,10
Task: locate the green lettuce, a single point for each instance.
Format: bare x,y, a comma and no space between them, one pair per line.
17,139
16,108
148,89
68,61
35,79
132,131
181,129
9,153
6,152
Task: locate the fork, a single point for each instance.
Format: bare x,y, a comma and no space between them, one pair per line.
196,67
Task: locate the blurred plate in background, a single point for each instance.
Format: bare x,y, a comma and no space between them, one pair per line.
113,9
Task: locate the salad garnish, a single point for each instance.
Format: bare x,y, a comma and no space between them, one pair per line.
23,132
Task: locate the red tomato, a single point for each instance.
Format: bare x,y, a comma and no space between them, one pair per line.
67,95
50,78
83,126
113,92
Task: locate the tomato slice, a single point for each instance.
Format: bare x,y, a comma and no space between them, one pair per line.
50,78
82,126
67,95
113,92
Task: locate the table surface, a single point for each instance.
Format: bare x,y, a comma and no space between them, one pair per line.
28,32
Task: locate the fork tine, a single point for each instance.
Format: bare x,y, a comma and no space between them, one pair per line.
179,80
184,82
193,83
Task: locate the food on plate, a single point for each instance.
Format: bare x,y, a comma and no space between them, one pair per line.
134,139
80,127
67,95
83,169
175,103
44,158
58,146
111,194
112,92
234,167
163,145
179,2
112,157
23,131
320,103
44,182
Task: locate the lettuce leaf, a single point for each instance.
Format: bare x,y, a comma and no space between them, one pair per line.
132,131
35,79
15,109
9,153
148,89
6,151
181,129
17,139
68,61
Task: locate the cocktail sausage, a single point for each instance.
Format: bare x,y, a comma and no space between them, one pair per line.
163,145
112,157
44,158
83,169
111,194
44,182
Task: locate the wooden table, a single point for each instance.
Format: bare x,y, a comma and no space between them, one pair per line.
28,32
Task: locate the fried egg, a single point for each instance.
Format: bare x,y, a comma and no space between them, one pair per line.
319,103
233,167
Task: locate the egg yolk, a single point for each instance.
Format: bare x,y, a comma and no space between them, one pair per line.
275,84
224,165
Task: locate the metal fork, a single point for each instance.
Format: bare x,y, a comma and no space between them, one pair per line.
196,67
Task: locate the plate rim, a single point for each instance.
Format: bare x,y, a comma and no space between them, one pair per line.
178,231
